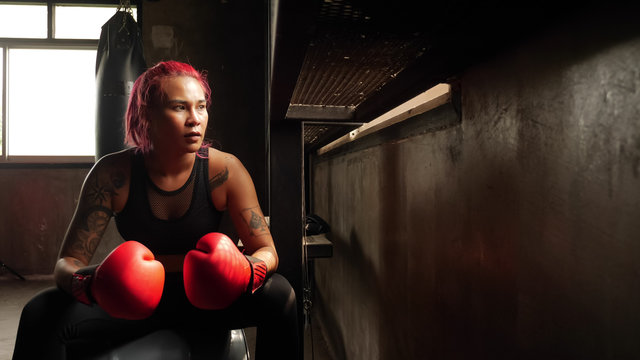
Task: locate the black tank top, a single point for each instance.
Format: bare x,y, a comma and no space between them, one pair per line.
156,224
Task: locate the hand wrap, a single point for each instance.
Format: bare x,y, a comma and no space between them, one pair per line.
81,284
258,273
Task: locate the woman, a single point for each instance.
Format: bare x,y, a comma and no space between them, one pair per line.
166,192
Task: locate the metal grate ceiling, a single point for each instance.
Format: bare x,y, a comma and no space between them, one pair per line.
344,68
349,59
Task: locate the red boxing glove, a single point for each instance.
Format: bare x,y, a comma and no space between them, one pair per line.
216,273
127,284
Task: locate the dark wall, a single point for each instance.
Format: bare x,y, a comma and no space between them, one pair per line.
228,40
36,206
510,236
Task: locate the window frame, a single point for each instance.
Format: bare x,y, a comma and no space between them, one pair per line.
44,43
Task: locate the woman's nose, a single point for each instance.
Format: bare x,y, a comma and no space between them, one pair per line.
194,118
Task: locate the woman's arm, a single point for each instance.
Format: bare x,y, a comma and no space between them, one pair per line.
247,217
90,220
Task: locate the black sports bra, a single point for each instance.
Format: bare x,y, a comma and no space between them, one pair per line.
168,222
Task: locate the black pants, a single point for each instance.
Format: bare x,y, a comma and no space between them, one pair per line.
53,325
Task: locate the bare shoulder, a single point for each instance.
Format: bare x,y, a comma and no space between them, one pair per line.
115,162
108,180
220,158
223,166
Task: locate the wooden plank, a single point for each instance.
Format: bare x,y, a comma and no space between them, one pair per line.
318,246
320,112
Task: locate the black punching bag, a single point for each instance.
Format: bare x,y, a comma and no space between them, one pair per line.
119,62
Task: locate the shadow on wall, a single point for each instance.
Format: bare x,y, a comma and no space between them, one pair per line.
448,284
362,294
330,328
510,236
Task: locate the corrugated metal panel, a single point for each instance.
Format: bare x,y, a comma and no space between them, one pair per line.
348,61
314,133
345,64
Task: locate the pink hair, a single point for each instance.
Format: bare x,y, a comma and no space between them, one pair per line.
147,92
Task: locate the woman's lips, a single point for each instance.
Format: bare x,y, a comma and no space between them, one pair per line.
193,137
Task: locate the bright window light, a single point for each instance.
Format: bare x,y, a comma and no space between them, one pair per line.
51,107
82,22
23,21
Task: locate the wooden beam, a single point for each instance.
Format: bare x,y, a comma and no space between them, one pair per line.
320,112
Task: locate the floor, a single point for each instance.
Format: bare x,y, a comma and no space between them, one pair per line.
14,293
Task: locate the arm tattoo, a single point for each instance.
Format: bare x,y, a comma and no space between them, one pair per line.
77,263
255,221
94,213
101,193
118,179
91,229
219,178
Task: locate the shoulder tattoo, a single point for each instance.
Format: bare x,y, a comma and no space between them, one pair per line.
219,178
118,179
99,192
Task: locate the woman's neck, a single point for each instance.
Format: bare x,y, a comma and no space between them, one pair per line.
168,165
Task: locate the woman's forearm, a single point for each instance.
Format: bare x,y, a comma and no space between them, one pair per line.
64,270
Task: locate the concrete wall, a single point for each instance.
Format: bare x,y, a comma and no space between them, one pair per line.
35,210
36,207
511,235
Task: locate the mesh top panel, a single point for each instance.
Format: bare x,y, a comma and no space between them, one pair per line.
170,205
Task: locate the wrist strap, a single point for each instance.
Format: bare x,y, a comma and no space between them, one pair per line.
258,273
81,284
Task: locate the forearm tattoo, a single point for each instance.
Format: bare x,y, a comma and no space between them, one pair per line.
219,178
92,227
93,216
255,221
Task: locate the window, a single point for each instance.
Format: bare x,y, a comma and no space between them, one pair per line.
48,58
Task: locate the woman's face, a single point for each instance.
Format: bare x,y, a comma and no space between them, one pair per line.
180,120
